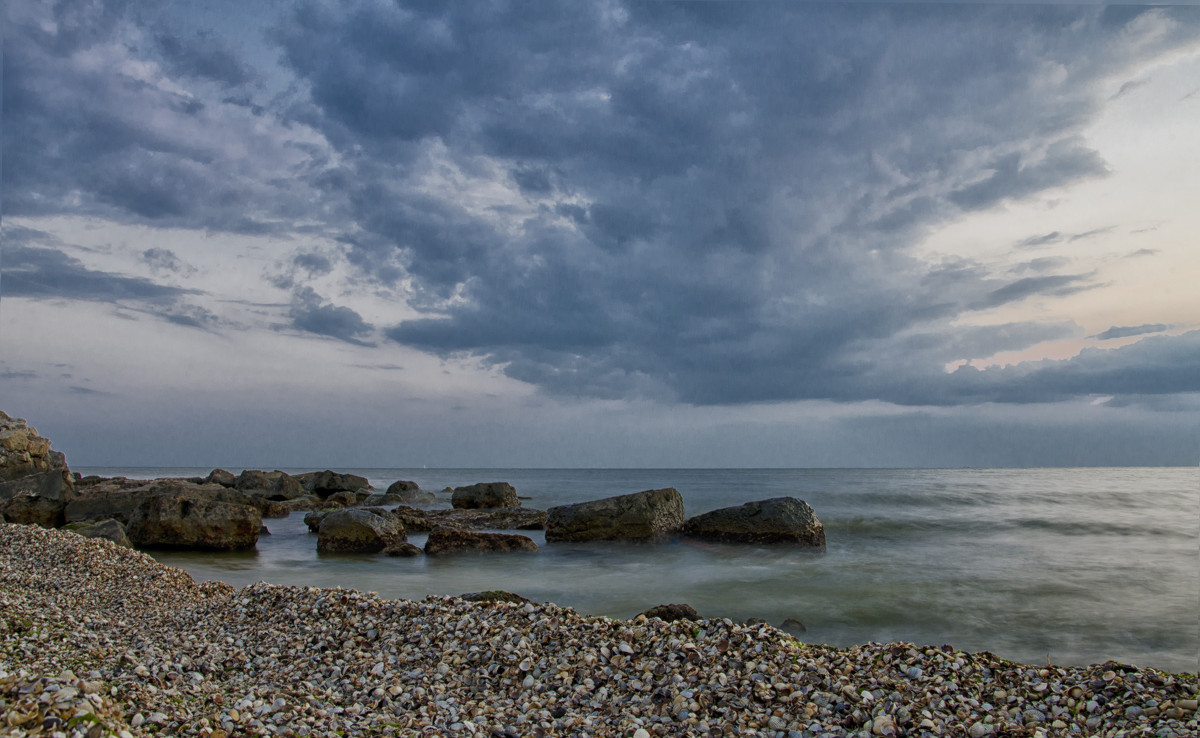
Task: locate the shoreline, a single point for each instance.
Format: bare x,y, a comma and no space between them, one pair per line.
142,648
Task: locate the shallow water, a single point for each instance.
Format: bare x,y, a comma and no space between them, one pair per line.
1074,566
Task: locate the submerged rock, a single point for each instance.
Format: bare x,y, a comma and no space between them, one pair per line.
777,520
503,518
449,540
649,515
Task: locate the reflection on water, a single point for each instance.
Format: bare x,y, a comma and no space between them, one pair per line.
1078,565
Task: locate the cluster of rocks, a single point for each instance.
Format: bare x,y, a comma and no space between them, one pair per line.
99,641
652,515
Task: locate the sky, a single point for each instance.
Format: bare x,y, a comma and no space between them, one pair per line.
602,233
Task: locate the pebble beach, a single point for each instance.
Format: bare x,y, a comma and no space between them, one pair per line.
99,640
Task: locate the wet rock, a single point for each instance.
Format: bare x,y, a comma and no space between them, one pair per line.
326,483
358,531
793,625
777,520
276,485
404,549
182,515
221,477
108,529
649,515
672,612
503,518
449,540
494,595
485,494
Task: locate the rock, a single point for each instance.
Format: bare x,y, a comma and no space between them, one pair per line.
108,529
403,492
403,549
485,494
450,540
326,483
673,612
119,497
307,502
276,485
503,518
358,531
494,595
777,520
221,477
183,515
649,515
792,625
347,498
314,518
35,482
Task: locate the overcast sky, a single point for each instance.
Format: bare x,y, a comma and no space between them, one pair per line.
602,233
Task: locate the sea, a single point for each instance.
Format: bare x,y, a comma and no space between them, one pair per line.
1040,566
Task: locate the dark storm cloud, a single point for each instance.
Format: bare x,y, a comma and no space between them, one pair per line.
49,273
103,116
1125,331
203,55
720,195
311,313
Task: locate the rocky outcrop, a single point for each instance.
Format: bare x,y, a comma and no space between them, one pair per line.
650,515
777,520
276,485
449,541
35,482
358,531
672,612
108,529
511,518
485,494
221,477
326,483
185,515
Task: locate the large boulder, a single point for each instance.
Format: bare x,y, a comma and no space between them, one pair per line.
358,531
485,494
119,497
108,529
183,515
35,482
221,477
649,515
276,485
501,518
450,540
326,483
777,520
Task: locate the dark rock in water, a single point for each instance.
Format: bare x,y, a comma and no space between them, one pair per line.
494,595
358,531
119,497
326,483
504,518
314,518
221,477
649,515
450,540
485,494
108,529
777,520
672,612
347,498
792,625
274,485
757,621
182,515
405,549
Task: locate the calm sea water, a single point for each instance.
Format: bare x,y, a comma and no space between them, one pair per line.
1071,566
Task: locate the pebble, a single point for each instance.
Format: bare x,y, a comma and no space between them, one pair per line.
303,661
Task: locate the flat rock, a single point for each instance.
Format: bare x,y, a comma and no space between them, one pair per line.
649,515
107,529
777,520
449,540
507,518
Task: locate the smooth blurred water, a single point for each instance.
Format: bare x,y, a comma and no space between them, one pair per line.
1074,566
